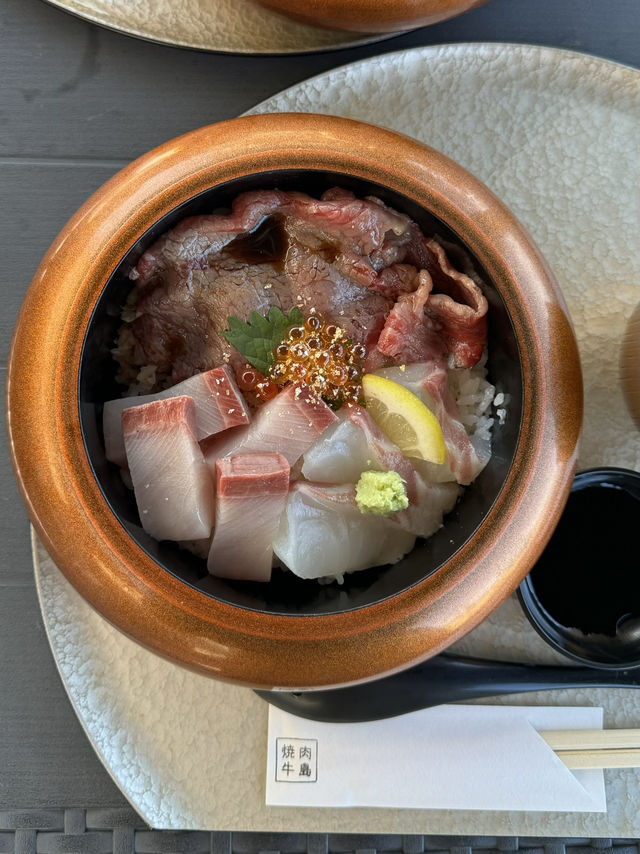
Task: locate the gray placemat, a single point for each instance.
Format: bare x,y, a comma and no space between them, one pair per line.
122,831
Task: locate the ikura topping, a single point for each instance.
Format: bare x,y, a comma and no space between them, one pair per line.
320,355
256,387
311,352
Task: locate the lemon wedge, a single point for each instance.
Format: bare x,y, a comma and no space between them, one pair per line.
404,419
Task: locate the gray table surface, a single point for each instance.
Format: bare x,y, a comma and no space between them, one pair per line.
76,104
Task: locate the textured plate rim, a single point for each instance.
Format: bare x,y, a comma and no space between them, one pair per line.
463,48
349,41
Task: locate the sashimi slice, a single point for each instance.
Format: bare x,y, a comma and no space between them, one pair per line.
288,425
425,515
428,380
340,455
354,445
172,485
251,494
388,456
219,406
323,533
463,459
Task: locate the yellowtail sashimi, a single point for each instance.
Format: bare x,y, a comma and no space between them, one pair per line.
251,494
219,406
172,484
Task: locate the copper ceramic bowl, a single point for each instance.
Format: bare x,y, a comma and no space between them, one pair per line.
371,16
289,633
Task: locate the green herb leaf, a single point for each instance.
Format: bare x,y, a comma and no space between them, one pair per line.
257,339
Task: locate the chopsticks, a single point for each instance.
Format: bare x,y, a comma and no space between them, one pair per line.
596,748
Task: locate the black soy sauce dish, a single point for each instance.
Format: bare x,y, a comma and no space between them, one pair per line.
583,594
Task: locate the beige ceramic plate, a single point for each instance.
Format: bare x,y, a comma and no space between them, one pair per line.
550,131
228,26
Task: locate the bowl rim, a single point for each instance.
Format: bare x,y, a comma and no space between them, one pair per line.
78,528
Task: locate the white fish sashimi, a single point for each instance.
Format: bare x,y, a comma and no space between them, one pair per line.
219,406
424,516
288,425
340,455
323,533
172,484
251,494
354,445
388,456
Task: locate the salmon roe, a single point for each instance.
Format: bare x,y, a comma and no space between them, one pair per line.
321,356
256,387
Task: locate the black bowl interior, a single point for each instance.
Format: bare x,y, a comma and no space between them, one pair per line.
287,594
583,594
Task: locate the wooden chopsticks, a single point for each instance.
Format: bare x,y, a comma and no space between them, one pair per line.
596,748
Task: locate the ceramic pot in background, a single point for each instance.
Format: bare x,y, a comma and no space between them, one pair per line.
371,16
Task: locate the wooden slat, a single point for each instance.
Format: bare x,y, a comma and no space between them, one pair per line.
590,759
592,739
595,748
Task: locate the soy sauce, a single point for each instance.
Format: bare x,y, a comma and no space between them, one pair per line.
588,578
267,243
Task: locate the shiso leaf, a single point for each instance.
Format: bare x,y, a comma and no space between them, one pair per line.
258,339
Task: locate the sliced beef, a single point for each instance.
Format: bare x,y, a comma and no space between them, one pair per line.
410,334
274,248
456,307
355,261
321,283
